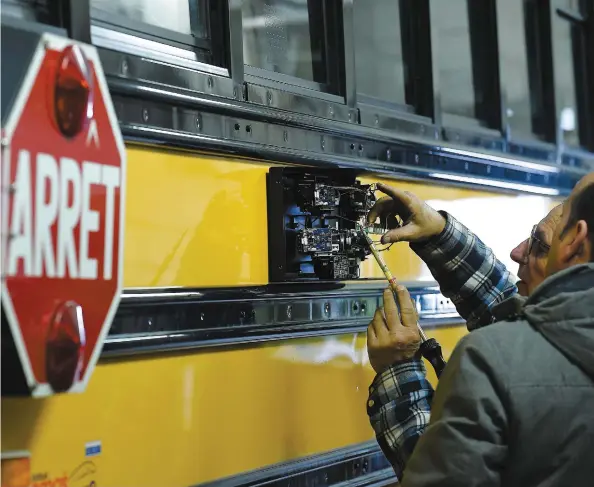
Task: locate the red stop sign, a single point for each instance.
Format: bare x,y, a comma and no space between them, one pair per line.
63,178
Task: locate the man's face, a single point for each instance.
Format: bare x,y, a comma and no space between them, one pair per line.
567,243
533,262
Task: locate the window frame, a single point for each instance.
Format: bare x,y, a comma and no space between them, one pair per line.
583,77
333,52
539,66
213,50
418,72
483,35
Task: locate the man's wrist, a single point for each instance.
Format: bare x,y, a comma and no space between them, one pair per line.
413,365
437,239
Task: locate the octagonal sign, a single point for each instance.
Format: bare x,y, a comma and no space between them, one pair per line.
63,179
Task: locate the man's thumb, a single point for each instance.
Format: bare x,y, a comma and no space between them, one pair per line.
407,233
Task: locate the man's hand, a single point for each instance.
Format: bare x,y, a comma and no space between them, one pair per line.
421,222
392,337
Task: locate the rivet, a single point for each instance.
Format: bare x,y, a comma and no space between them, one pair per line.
199,122
323,142
327,308
201,316
416,158
388,154
376,120
331,111
350,116
289,311
145,114
124,67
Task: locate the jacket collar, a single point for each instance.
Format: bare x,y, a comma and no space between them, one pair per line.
576,278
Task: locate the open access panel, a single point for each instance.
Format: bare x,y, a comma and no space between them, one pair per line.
314,219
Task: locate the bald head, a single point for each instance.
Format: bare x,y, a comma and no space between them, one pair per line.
582,183
573,239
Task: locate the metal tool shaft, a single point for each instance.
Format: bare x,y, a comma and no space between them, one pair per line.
391,279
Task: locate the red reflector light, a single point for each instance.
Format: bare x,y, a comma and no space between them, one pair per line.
73,92
65,347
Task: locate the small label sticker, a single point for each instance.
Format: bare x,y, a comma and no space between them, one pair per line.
92,449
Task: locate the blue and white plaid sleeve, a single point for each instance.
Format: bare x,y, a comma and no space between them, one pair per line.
467,271
399,406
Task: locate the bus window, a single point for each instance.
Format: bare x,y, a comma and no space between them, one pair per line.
514,62
454,58
569,50
284,40
464,45
179,23
378,50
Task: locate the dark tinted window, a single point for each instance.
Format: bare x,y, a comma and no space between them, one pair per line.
567,46
378,50
566,92
514,59
453,56
285,36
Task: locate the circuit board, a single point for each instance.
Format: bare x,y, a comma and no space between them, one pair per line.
314,222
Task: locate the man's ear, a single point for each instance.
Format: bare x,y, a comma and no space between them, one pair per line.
576,247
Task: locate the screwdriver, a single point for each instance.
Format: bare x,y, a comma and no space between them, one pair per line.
430,347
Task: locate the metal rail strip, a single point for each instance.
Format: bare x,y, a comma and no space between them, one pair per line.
165,320
362,465
169,106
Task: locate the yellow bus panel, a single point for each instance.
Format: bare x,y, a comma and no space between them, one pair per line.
183,419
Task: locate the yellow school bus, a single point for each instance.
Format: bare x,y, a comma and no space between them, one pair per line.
215,369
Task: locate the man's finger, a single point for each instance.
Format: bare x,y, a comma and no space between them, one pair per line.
405,233
381,206
379,323
408,312
395,193
391,310
371,336
414,305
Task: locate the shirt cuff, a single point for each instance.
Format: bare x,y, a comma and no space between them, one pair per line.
396,381
438,240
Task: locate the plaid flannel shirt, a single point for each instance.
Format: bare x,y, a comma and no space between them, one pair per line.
470,275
